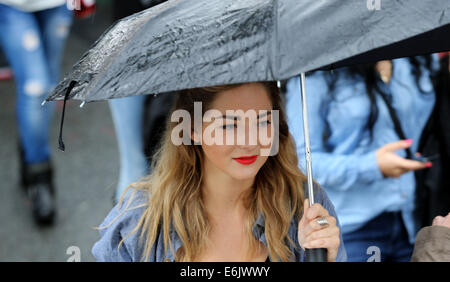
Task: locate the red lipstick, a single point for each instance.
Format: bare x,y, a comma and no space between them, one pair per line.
246,160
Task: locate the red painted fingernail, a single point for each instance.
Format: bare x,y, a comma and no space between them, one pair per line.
408,141
428,164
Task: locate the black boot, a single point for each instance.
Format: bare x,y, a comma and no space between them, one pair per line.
36,180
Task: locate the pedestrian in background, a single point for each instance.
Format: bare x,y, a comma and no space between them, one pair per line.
433,185
363,120
433,242
33,33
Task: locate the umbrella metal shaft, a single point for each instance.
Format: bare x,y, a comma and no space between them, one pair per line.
307,144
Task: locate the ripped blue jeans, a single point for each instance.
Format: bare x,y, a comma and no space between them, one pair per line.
33,44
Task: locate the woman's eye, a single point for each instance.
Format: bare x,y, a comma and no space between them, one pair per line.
229,126
265,122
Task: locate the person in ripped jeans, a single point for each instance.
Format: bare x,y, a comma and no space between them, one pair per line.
33,33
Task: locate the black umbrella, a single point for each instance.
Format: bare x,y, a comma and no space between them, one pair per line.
184,44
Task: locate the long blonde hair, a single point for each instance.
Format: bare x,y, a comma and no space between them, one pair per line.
174,189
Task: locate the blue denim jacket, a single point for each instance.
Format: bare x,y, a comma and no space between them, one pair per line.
130,251
343,156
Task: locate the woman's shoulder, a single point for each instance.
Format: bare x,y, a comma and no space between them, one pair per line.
133,205
118,224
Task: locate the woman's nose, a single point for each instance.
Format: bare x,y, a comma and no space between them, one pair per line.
247,136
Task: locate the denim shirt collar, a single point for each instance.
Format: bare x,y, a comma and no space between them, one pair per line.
257,229
259,224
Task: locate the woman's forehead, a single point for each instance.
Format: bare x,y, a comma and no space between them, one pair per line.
249,96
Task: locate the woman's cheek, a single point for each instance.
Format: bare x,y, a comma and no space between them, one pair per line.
218,154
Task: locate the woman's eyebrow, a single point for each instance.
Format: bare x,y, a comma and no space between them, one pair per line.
265,114
239,118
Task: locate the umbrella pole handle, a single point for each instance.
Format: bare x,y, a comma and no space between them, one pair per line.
316,255
311,255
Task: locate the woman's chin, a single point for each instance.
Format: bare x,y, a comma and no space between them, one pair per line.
244,174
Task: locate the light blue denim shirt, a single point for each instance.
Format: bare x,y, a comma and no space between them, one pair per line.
343,157
122,222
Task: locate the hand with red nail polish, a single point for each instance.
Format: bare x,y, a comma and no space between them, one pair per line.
392,165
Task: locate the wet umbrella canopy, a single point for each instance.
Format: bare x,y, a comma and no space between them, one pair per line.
192,43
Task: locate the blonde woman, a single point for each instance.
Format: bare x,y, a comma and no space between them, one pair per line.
229,202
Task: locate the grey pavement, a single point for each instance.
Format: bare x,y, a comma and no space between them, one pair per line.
86,173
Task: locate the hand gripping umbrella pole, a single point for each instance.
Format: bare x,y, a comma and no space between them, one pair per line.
311,255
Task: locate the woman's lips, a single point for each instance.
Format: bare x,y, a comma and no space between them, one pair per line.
246,160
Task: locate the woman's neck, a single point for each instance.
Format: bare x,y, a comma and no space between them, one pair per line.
222,194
